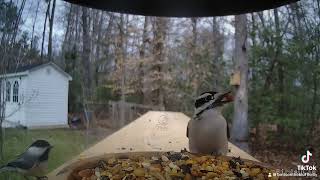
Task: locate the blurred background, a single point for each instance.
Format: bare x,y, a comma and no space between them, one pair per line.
121,66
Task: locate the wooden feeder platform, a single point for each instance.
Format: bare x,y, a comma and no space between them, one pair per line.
153,132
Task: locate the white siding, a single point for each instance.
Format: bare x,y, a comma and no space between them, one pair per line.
49,103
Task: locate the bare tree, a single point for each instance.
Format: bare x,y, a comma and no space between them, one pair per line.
108,35
66,45
34,24
121,66
86,50
8,41
99,36
277,56
18,21
160,32
142,54
193,75
217,53
239,132
51,19
2,107
45,27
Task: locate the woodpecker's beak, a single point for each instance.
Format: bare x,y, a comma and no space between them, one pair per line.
225,97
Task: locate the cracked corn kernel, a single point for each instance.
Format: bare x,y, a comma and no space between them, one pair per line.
139,172
254,171
165,167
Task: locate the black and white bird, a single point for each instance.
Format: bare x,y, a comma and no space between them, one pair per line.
208,130
33,162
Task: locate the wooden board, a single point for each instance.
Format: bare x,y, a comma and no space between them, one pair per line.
154,131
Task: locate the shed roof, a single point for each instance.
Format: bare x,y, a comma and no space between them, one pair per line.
22,68
31,67
183,8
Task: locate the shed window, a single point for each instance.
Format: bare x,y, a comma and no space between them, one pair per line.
8,91
15,97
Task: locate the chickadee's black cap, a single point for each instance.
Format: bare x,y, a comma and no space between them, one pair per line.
40,143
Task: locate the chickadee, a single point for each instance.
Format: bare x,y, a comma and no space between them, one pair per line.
33,162
208,130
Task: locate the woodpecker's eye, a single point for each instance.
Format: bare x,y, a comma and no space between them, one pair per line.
208,98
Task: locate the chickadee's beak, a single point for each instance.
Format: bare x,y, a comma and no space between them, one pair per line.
225,97
50,147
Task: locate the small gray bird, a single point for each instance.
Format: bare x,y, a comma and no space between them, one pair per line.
33,162
208,130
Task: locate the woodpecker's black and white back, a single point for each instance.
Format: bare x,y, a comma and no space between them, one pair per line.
208,130
33,162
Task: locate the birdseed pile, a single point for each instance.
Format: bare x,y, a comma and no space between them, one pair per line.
172,166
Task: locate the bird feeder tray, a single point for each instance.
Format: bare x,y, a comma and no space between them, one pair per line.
163,164
152,132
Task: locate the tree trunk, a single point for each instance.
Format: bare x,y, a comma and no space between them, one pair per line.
253,29
77,27
142,53
17,22
67,36
314,116
51,19
217,53
44,28
277,58
99,36
1,141
123,73
120,67
86,65
34,24
193,58
2,113
253,36
108,34
159,58
239,131
98,49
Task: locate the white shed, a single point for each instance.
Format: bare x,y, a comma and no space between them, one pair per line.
36,96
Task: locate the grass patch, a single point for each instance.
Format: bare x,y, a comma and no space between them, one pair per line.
67,143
